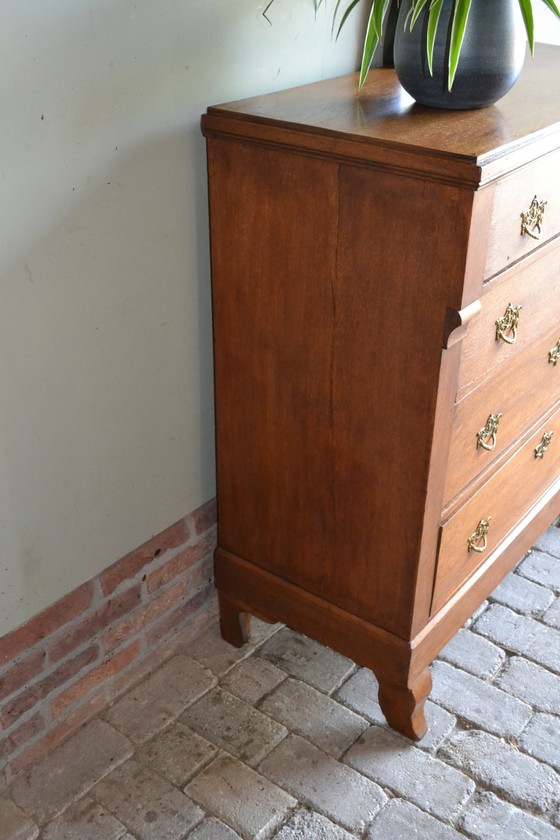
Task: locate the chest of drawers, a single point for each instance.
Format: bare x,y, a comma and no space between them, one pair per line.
386,303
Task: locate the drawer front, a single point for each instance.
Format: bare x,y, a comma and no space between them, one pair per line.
514,196
534,286
500,502
492,417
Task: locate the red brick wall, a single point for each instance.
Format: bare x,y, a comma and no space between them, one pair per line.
66,663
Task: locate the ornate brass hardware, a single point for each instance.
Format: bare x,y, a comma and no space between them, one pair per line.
479,536
554,354
489,431
506,326
531,219
543,445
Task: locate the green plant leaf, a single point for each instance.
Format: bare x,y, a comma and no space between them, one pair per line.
553,7
527,12
460,16
379,11
349,8
371,40
433,20
417,7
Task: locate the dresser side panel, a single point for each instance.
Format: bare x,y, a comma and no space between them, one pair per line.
273,222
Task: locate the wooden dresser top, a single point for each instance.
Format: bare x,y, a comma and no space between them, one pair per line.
385,126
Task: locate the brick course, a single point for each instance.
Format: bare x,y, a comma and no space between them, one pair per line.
65,664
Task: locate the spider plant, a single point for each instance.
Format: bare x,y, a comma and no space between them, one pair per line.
461,9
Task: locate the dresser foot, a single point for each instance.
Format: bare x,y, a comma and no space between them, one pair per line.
235,624
403,705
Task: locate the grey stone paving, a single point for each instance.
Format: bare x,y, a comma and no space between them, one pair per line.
284,740
473,653
14,823
159,699
392,762
85,819
146,804
336,791
304,710
70,771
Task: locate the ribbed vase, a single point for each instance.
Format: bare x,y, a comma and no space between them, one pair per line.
491,57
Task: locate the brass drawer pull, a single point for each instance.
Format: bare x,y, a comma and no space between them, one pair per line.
506,326
531,219
554,354
489,431
479,535
543,445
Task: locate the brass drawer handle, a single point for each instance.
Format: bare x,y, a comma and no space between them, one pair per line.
531,219
479,535
543,445
554,354
489,431
506,326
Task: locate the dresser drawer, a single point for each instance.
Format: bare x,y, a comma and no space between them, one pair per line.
501,501
514,195
534,286
492,417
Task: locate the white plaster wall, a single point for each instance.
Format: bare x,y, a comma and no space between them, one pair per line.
547,26
106,430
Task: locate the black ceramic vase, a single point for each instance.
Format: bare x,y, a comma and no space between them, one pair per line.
491,57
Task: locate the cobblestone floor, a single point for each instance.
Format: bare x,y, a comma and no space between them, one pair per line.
285,740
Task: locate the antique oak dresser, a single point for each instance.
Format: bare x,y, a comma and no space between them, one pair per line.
386,299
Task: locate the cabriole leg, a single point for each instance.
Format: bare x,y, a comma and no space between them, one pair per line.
403,704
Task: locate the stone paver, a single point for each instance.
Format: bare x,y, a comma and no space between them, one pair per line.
550,542
252,679
521,635
234,725
523,595
146,804
336,791
473,653
304,710
502,768
54,782
213,829
530,682
308,825
541,739
219,656
478,612
399,820
177,753
392,762
240,797
14,823
552,615
307,660
359,693
478,702
284,739
440,723
541,568
85,820
159,699
488,818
